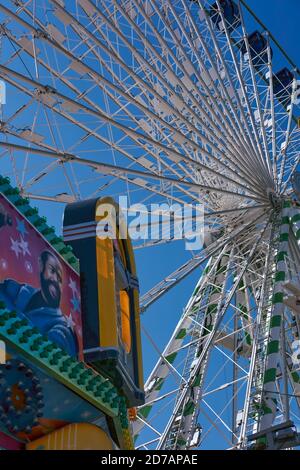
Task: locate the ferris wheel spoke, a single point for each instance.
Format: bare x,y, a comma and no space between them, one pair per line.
165,125
260,66
171,153
111,169
265,160
235,73
187,92
186,122
138,79
215,71
209,219
174,278
289,137
295,159
137,180
272,105
85,98
211,71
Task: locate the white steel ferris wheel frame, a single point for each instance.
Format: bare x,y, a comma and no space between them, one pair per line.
175,104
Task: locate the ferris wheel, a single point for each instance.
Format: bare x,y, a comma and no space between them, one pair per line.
182,101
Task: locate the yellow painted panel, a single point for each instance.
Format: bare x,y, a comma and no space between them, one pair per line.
125,320
106,287
136,314
81,436
106,293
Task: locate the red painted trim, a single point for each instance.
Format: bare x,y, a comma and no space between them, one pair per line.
9,443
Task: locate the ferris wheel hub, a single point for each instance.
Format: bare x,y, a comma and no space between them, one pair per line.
275,199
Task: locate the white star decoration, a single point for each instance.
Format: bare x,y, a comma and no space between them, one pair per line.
73,286
3,264
15,247
28,267
70,321
19,246
24,247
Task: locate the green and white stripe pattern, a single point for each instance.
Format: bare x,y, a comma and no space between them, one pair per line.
189,412
160,372
294,377
295,221
243,310
293,374
269,395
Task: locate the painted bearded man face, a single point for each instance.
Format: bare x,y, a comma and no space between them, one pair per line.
51,279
